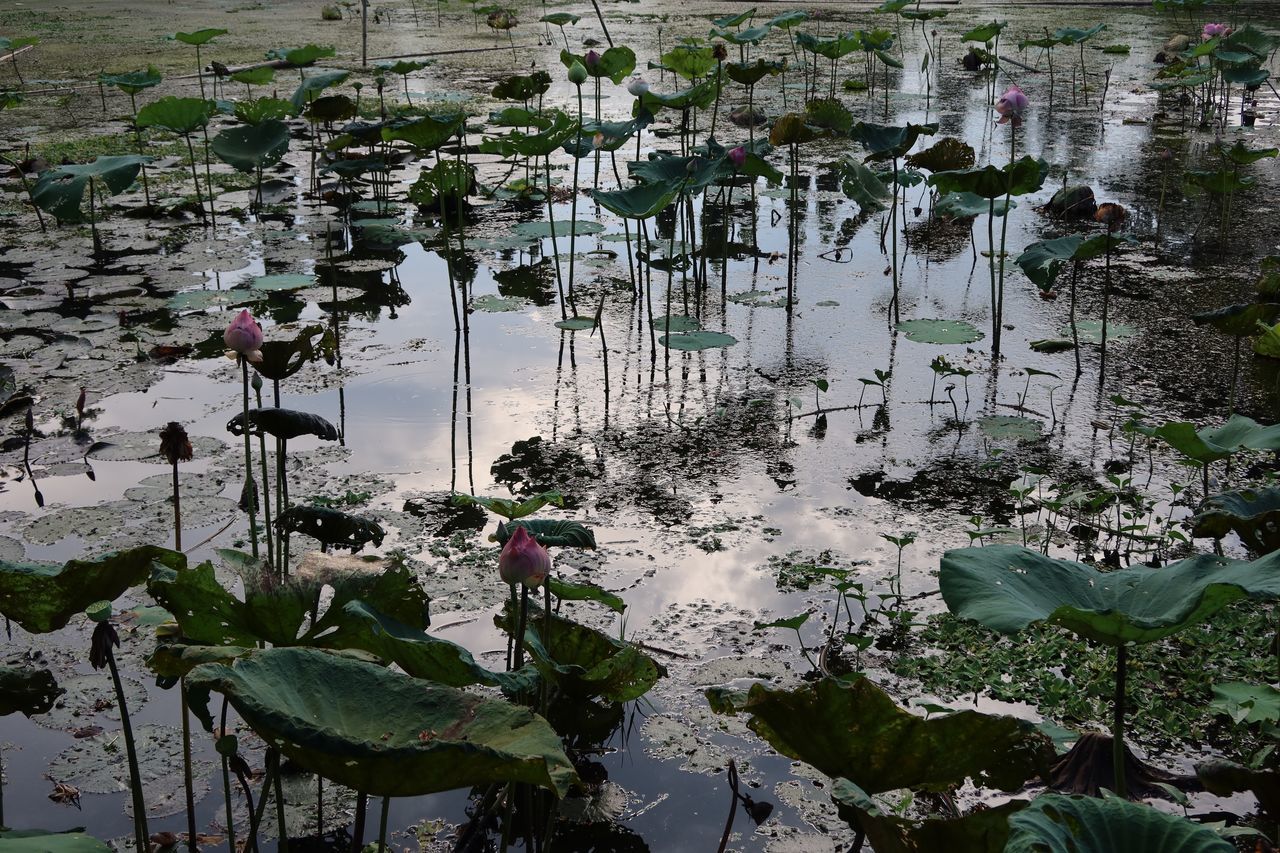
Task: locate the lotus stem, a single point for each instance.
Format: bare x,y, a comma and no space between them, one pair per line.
893,226
187,781
226,783
1235,374
520,625
142,836
991,265
357,832
250,487
282,831
1106,304
93,222
1075,331
573,206
137,135
515,606
2,823
195,178
177,526
1117,725
266,488
733,807
555,251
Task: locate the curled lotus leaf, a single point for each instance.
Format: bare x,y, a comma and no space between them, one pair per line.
1007,588
28,691
42,597
1225,778
1253,515
282,359
751,73
331,526
791,129
1058,824
852,728
550,532
283,423
526,87
1210,444
380,732
947,154
1022,176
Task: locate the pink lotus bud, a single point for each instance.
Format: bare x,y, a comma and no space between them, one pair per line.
244,336
523,560
592,60
637,87
1211,31
1011,106
738,156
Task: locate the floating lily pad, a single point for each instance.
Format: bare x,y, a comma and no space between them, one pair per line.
1006,427
145,447
283,282
576,324
1091,331
939,331
697,341
495,304
538,230
89,699
748,296
679,323
199,300
827,303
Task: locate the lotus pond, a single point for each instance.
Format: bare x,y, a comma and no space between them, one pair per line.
639,426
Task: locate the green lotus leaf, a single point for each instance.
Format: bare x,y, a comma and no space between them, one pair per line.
700,96
510,509
1075,35
828,114
132,82
329,109
569,591
939,331
791,129
690,175
200,36
253,146
979,831
852,728
614,134
787,20
751,35
962,205
175,658
283,358
426,133
1247,703
1253,515
735,20
702,339
1023,176
947,154
689,61
559,131
304,55
42,597
260,76
1059,824
863,185
1211,444
60,190
179,115
584,662
751,73
550,532
986,32
379,732
559,19
263,109
924,14
680,322
1223,181
27,691
832,48
1245,76
1240,320
526,87
615,63
1250,38
1007,588
45,841
1243,155
893,6
1043,261
1010,428
313,83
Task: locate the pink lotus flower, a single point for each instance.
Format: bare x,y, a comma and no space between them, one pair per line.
1011,106
1212,31
738,156
592,60
244,337
523,560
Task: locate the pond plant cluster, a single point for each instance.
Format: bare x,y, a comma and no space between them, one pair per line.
311,689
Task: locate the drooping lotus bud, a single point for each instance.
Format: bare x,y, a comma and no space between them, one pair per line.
175,445
1211,31
244,336
577,73
738,156
523,560
1111,215
592,60
637,87
1011,106
720,53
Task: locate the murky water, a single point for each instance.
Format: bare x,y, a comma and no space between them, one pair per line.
697,471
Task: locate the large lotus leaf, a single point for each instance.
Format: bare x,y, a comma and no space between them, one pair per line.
179,115
1253,515
885,142
962,205
1008,588
700,96
313,83
253,146
751,73
27,691
614,134
526,87
1017,178
1225,778
751,35
263,109
1044,260
1247,703
640,201
561,129
615,63
787,20
569,591
132,82
1075,35
175,658
259,76
985,32
416,652
1213,443
832,48
379,732
863,186
207,613
689,61
852,728
828,114
698,341
283,423
331,527
1223,181
426,133
282,359
304,55
60,190
1058,824
682,174
44,841
550,532
200,36
979,831
1240,320
947,154
939,331
584,662
1250,38
42,597
791,129
1245,76
329,109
